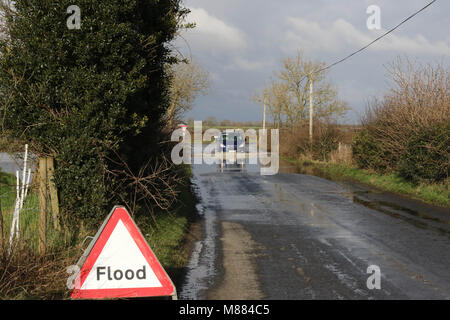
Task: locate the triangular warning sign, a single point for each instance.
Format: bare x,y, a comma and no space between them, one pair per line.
119,263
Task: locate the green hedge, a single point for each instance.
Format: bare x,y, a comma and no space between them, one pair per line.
369,153
427,155
84,96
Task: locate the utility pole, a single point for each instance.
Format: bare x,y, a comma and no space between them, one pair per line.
264,116
311,111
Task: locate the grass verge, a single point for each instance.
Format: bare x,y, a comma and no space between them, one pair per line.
29,217
28,274
435,194
173,233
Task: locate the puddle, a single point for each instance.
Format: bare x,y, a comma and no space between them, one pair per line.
402,213
201,268
422,216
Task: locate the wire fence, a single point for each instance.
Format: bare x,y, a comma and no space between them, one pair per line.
34,224
28,218
343,154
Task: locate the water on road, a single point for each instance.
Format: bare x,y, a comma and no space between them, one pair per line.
295,236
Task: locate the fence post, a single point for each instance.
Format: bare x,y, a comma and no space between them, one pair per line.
53,193
42,203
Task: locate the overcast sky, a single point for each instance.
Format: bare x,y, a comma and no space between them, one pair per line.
242,42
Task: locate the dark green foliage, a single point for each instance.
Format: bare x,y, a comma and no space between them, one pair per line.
427,155
369,153
83,95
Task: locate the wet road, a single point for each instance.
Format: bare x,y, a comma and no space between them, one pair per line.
293,236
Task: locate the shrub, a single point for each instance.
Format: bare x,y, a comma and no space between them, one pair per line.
368,153
397,130
295,141
427,155
26,274
326,140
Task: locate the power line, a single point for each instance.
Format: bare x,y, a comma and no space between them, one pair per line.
342,60
383,35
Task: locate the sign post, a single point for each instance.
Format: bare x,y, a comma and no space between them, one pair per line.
119,263
183,127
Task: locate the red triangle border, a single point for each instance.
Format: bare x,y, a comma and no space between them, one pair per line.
120,213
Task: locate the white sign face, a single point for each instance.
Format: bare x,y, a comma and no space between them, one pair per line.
121,265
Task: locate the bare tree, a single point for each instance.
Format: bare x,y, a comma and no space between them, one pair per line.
418,99
189,79
287,96
278,102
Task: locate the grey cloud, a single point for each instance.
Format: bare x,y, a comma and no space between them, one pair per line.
335,29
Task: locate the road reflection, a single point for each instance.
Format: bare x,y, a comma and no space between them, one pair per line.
231,166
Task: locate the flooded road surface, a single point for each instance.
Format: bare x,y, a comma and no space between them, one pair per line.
295,236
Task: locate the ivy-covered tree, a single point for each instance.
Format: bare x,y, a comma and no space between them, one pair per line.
88,96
